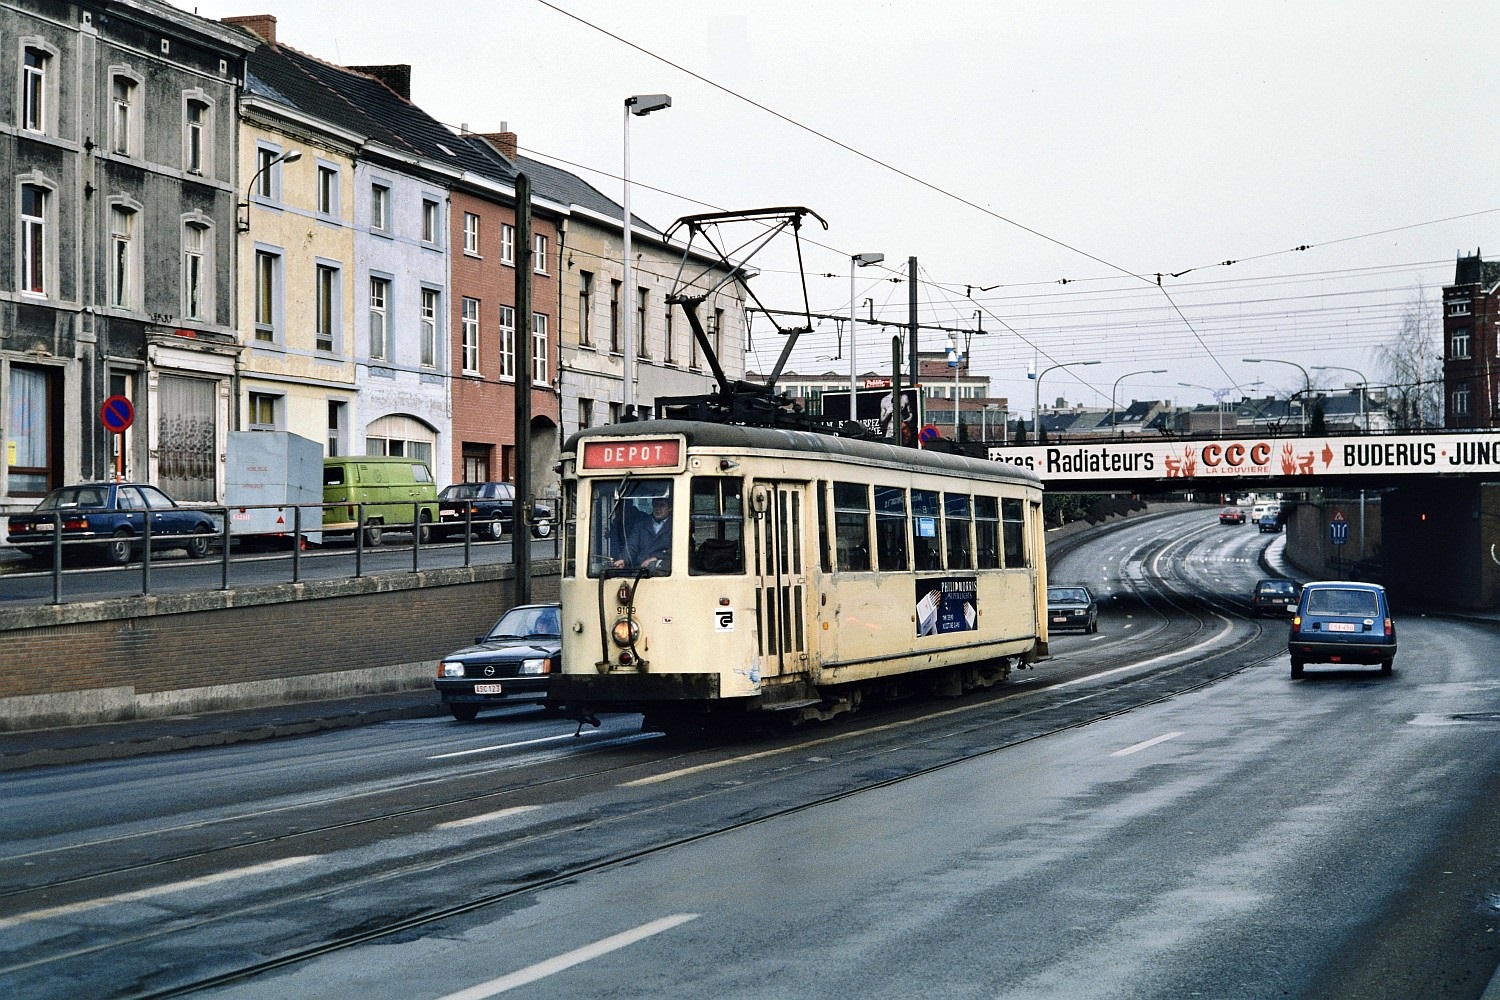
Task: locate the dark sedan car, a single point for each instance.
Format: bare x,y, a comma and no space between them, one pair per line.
112,519
487,509
1231,515
1274,597
1072,607
513,663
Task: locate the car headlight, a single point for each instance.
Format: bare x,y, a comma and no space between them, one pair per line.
533,667
625,633
451,668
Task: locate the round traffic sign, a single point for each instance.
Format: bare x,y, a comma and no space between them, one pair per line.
117,414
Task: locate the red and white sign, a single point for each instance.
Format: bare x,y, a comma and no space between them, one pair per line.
646,453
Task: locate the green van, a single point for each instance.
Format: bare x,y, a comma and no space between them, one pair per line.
391,489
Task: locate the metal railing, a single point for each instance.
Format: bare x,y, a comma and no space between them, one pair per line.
238,545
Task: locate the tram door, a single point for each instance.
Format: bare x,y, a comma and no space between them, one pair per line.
781,593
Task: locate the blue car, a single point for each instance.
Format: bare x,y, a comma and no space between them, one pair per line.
110,519
1269,522
1338,622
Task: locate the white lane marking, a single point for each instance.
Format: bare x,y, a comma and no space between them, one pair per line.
161,890
507,746
567,960
1097,638
486,817
1144,744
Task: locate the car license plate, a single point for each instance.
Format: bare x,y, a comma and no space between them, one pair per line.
486,688
1342,627
1059,618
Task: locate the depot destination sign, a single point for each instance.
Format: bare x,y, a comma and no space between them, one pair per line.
1429,454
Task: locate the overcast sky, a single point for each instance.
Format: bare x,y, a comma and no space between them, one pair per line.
1014,145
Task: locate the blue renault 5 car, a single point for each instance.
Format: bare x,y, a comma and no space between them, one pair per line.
1338,622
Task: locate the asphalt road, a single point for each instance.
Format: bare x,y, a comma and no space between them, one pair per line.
1157,811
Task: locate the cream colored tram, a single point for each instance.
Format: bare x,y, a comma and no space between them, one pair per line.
799,573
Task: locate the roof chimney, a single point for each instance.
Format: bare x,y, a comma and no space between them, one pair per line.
504,142
396,76
263,25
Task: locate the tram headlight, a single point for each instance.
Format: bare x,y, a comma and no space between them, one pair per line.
625,633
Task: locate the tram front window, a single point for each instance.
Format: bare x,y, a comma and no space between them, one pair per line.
631,527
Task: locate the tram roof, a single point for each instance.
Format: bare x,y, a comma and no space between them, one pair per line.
739,437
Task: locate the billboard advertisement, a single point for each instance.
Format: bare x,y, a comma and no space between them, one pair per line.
874,411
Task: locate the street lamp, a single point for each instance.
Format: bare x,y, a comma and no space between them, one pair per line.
640,104
1150,371
290,156
857,260
1036,395
1306,382
1363,386
1218,395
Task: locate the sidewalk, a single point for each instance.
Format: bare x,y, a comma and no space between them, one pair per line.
136,737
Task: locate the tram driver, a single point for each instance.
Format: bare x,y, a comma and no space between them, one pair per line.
649,544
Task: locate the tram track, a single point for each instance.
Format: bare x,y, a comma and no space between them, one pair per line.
924,738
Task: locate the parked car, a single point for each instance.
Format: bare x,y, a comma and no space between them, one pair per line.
1273,597
395,493
110,519
1072,607
488,507
1342,622
1270,521
514,662
1231,515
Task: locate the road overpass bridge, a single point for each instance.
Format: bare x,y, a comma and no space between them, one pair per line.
1437,494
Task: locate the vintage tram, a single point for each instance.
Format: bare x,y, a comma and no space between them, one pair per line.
714,572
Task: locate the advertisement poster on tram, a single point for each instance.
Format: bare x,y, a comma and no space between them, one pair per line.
947,604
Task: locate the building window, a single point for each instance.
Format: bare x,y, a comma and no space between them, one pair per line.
123,246
471,233
539,254
122,91
507,244
380,297
429,221
1458,307
328,190
507,342
585,307
431,303
263,411
327,299
642,342
266,169
336,410
614,316
34,90
585,413
538,349
716,333
380,207
267,294
471,336
196,134
197,247
669,355
33,254
1459,344
1461,401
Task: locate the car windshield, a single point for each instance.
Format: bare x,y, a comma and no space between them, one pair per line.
528,622
1063,594
1275,587
1347,603
458,491
72,497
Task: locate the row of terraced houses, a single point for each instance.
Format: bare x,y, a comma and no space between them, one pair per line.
236,235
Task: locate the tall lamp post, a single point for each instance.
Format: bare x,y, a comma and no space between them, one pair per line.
1306,382
1218,395
290,156
1036,394
640,104
1363,386
857,260
1150,371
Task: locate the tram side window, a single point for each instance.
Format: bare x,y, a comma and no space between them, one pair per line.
890,529
987,532
824,562
570,528
717,540
926,543
956,527
851,525
1013,529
